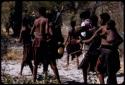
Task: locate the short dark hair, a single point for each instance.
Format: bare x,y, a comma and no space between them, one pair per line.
94,20
73,23
105,17
111,24
42,11
85,14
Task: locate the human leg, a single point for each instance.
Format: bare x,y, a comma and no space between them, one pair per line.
55,70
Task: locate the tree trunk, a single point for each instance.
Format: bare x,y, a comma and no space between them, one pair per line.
18,15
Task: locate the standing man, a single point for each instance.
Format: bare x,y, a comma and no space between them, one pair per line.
54,40
89,61
71,47
39,32
26,38
44,44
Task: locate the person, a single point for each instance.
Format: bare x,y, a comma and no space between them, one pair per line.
89,61
33,17
45,45
109,58
73,48
27,43
38,33
108,61
55,40
57,23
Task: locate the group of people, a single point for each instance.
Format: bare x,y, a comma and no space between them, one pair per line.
41,41
42,37
102,55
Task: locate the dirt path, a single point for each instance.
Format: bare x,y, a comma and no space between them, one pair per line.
67,74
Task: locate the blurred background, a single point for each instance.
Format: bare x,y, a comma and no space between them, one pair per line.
10,49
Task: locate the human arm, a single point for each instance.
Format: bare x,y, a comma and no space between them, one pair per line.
32,29
21,34
90,39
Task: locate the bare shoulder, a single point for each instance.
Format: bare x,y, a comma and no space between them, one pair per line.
45,19
36,21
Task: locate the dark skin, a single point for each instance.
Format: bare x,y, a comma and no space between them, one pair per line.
72,38
68,40
108,40
24,62
25,32
34,29
102,30
86,67
52,63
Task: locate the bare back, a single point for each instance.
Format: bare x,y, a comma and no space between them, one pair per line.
40,29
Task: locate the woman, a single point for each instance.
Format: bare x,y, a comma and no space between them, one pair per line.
88,63
73,48
27,43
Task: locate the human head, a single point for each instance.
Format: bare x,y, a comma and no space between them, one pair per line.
94,20
73,23
105,17
111,25
42,11
85,14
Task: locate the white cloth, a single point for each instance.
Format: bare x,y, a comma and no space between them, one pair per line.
86,22
83,34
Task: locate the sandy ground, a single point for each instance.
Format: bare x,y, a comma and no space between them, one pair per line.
68,74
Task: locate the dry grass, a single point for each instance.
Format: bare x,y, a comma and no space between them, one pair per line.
9,49
14,54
